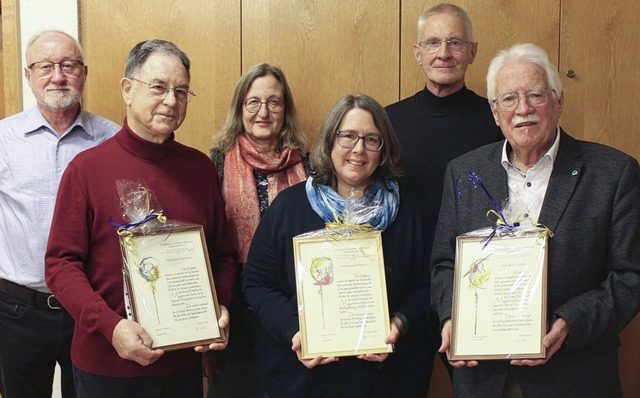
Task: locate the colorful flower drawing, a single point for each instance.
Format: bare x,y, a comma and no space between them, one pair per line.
321,271
477,275
149,270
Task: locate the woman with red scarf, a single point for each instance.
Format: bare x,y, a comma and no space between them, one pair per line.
259,151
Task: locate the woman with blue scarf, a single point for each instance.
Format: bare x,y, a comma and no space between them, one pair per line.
356,159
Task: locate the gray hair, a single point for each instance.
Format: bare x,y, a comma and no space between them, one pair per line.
291,136
529,53
37,36
451,9
390,167
141,52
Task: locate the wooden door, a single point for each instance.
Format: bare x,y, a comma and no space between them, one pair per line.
598,48
597,44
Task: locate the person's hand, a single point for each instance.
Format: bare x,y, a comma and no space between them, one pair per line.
132,342
296,345
392,338
223,323
553,341
444,347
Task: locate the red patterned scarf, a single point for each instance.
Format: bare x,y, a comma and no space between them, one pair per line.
240,191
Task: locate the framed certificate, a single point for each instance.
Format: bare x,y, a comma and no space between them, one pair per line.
342,294
170,287
499,297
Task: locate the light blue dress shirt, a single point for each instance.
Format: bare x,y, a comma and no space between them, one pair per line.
32,159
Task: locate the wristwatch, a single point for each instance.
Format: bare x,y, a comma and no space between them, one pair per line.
403,320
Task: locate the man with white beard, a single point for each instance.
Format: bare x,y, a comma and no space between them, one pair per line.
35,147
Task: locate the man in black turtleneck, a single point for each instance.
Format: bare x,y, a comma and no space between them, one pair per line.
445,119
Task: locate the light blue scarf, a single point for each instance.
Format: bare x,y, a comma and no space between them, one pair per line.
377,207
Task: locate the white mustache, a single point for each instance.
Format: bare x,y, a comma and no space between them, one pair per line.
531,118
57,87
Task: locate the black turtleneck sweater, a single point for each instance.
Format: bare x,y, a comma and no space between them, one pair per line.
433,131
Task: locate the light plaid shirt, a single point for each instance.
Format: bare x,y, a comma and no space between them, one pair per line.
32,160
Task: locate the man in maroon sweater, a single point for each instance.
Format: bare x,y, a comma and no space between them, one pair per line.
112,356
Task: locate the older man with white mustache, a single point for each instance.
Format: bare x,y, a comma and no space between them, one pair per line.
588,195
35,147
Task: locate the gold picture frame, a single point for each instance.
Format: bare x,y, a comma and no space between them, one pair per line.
342,294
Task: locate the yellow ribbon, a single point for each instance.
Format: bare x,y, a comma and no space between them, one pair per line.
337,224
500,222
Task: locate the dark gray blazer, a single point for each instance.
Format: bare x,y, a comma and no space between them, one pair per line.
592,205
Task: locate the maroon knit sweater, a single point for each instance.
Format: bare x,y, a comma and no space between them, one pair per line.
83,260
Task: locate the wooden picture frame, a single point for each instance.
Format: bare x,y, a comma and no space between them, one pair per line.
499,296
342,295
169,286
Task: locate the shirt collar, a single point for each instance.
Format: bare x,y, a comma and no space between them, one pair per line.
551,153
35,121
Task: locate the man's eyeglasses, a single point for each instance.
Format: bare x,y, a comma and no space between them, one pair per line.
161,90
535,97
453,45
349,139
253,105
72,67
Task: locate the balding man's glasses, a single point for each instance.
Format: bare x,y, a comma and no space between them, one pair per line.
535,97
453,45
161,90
253,105
71,67
349,139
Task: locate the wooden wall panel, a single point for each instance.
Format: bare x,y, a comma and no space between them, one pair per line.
600,101
603,95
497,24
11,64
326,49
208,31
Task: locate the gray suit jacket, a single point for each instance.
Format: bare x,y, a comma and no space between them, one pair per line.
592,205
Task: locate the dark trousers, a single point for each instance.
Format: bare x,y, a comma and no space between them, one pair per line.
31,342
240,372
186,384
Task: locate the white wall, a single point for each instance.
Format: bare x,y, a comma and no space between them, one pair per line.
39,15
